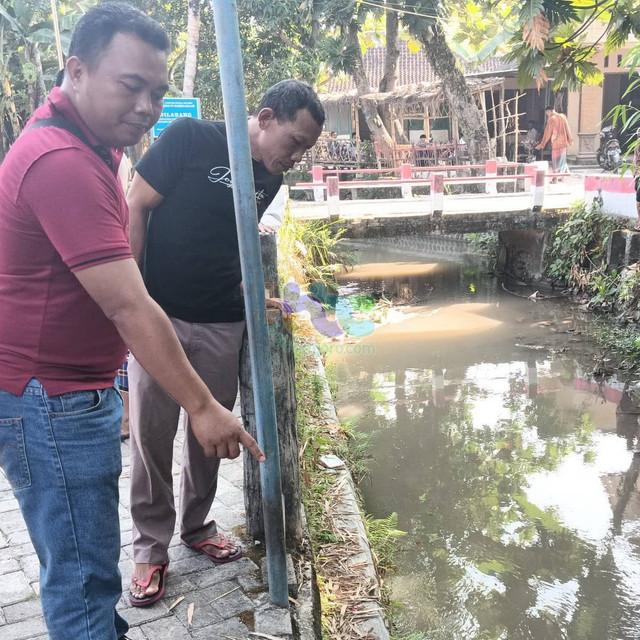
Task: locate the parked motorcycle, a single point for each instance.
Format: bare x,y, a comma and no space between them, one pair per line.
609,154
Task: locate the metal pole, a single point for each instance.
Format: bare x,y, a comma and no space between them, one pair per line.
228,42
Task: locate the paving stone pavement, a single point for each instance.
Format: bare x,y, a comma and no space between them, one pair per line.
230,600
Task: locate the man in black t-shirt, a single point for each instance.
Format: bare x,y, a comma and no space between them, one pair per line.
183,235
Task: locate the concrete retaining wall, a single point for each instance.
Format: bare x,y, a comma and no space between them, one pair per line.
348,517
445,245
624,248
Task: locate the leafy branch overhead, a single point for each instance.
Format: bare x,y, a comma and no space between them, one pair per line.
536,31
548,38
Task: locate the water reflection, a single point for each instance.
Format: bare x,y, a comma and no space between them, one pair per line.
512,470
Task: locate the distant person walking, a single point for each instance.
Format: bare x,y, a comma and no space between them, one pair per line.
557,132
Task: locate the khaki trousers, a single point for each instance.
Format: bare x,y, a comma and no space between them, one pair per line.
214,352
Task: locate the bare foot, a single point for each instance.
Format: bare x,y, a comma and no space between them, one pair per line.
229,547
141,572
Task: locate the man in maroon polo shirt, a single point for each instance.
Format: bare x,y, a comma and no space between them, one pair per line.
72,296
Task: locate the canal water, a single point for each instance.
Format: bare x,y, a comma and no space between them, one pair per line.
510,466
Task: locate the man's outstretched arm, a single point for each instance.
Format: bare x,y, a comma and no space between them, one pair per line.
118,289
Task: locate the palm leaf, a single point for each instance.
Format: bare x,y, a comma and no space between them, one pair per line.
529,9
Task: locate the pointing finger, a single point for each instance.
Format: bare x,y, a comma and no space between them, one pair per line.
252,446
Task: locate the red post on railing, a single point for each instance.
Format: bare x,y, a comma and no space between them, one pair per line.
437,194
538,190
405,174
316,177
333,197
491,171
530,173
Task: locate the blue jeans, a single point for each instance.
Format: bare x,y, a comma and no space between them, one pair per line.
61,455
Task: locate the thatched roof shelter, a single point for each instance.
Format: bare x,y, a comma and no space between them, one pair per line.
428,94
419,95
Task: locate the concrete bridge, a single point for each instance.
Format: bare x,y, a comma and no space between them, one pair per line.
533,202
557,196
522,220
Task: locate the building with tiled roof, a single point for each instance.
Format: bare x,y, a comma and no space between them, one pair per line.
492,82
413,68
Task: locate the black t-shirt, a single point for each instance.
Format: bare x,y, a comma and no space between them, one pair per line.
192,261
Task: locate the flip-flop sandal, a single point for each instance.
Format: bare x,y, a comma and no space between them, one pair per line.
222,544
154,597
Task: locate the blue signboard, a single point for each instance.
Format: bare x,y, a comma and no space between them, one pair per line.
174,108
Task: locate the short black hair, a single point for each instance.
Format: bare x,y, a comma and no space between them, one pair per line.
424,135
549,107
287,97
99,25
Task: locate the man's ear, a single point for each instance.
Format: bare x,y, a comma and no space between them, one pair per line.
266,117
74,70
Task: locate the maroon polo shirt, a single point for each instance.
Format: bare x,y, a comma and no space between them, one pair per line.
62,209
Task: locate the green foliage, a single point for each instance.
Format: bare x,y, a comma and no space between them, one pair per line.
319,437
560,50
622,341
317,389
576,256
529,9
488,243
310,251
276,40
627,116
383,533
28,58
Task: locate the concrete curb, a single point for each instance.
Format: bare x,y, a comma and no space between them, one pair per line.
347,512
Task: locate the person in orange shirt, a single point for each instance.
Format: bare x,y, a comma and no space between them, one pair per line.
557,131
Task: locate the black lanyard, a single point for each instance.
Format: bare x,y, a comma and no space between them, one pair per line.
63,123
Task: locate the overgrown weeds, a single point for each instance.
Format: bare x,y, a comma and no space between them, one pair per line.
488,245
309,251
344,593
622,341
577,260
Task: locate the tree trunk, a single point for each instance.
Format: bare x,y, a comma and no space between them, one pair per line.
369,106
41,93
32,94
389,78
400,134
283,363
193,39
35,87
175,65
12,112
457,92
